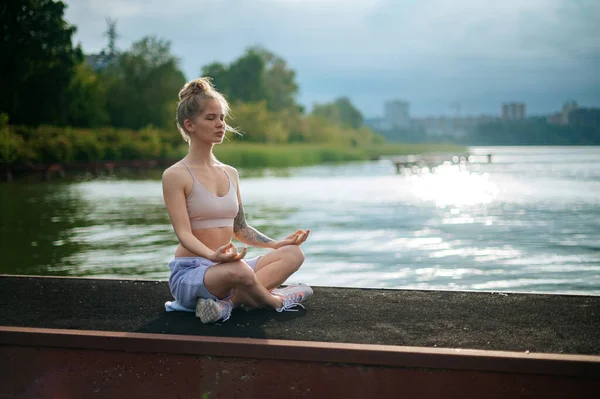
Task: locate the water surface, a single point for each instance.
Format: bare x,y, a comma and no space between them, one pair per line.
527,222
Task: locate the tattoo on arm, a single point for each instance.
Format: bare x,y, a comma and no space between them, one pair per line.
248,234
239,223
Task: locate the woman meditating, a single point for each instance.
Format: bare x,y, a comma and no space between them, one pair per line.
204,203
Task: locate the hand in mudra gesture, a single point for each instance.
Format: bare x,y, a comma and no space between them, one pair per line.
229,253
296,238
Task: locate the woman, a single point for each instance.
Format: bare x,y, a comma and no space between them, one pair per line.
203,200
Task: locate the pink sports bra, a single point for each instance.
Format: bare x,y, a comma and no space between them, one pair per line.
207,210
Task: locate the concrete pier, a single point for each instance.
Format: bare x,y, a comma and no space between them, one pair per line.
114,336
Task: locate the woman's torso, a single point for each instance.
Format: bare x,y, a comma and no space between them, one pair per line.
213,238
212,203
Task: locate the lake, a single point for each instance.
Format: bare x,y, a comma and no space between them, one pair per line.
527,222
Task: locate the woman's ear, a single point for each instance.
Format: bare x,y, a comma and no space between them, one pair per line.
188,125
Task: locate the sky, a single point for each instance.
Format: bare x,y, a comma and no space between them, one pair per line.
435,54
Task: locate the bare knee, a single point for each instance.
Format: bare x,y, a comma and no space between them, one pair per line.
240,274
293,255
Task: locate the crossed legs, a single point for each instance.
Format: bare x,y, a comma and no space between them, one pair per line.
252,288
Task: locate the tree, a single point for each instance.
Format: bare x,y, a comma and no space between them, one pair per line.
219,74
143,85
111,33
341,112
256,76
258,124
279,81
245,78
38,61
87,99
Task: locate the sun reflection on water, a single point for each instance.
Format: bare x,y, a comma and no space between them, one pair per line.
452,185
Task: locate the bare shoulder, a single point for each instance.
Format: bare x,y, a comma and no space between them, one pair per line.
175,175
231,171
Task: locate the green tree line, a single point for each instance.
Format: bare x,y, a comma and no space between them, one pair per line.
55,100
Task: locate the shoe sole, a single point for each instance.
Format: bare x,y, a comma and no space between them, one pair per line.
208,311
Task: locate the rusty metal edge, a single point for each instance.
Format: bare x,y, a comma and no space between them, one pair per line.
323,352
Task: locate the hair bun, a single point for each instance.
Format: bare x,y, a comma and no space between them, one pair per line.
196,86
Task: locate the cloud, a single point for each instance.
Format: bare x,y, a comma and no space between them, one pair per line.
375,50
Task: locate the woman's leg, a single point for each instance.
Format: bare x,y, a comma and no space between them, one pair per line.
222,278
277,266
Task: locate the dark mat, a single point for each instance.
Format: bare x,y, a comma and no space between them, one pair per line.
450,319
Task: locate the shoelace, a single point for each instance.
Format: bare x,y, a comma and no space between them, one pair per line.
225,310
289,303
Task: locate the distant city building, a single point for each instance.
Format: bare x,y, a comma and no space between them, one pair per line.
585,117
375,124
513,111
562,117
566,110
555,119
396,114
450,126
99,61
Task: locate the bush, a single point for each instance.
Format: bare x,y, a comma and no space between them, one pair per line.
11,144
49,144
86,147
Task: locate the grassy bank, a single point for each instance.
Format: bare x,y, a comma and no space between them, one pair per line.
47,145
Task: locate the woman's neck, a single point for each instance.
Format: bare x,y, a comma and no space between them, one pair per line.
200,154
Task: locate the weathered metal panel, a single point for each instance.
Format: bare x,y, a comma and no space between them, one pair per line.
44,372
79,364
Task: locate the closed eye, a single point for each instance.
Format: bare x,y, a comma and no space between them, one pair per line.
213,116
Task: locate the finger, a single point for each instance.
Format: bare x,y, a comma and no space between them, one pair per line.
232,249
301,239
306,234
224,248
241,254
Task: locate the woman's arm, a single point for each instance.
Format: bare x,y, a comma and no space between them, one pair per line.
241,230
173,184
250,236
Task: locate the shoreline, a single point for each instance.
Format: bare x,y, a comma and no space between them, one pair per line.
249,156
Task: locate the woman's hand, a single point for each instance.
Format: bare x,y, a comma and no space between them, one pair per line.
293,239
228,253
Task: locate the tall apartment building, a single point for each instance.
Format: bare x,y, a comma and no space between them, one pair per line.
396,114
513,111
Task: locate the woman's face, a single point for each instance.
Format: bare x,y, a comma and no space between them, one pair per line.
210,125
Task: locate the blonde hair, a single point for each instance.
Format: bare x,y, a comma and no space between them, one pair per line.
192,101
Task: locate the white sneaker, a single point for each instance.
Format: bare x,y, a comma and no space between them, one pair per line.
293,295
210,311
